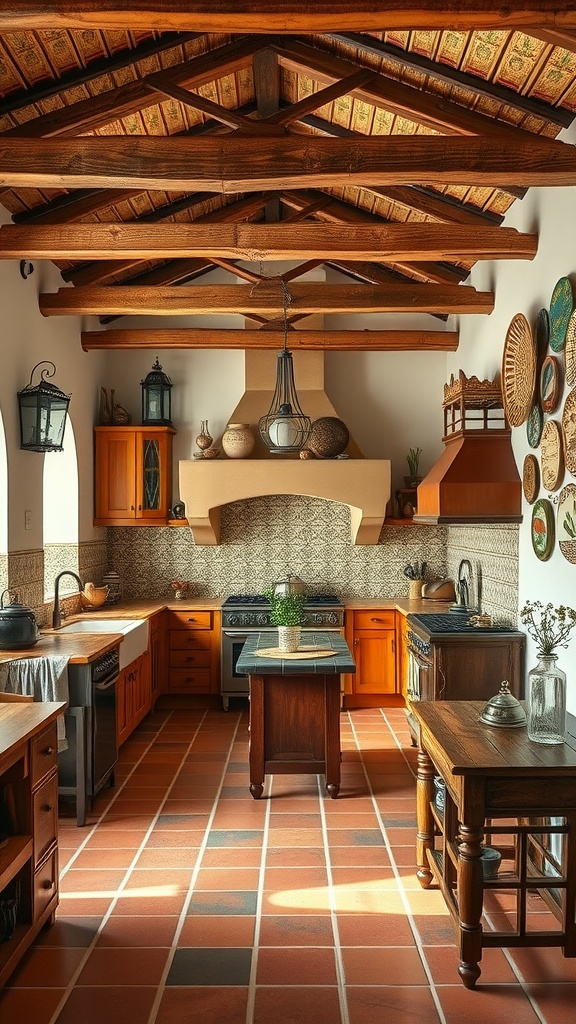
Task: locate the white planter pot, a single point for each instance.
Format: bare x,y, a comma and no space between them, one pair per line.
289,638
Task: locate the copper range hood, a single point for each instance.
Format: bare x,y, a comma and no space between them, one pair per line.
208,484
476,479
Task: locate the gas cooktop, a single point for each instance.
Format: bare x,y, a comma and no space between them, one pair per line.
253,600
453,622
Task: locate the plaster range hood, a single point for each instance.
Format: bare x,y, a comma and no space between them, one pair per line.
476,479
207,484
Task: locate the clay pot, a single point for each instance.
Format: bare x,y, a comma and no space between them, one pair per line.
237,440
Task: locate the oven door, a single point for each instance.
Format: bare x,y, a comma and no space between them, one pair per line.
232,682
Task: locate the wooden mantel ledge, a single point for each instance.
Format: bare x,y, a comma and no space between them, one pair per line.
362,484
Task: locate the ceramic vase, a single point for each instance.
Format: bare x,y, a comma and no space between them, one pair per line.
547,701
237,440
289,638
204,439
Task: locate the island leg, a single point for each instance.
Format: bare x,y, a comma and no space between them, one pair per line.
256,734
470,888
424,818
332,752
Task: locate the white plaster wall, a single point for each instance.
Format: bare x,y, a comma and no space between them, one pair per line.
526,287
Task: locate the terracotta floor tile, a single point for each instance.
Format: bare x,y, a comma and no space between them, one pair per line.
542,964
92,1005
246,857
489,1005
294,856
115,839
74,906
393,1004
348,900
555,1001
170,880
294,930
211,1005
121,930
443,963
111,858
121,966
295,966
149,905
209,932
365,877
291,1005
188,838
294,878
227,878
47,967
379,929
90,883
34,1005
359,856
295,837
76,931
383,965
167,858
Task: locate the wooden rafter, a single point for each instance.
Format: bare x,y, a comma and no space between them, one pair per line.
242,164
268,299
333,341
262,16
395,242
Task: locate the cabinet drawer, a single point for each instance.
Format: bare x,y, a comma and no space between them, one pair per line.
44,754
45,818
190,640
46,885
189,680
190,620
189,659
374,619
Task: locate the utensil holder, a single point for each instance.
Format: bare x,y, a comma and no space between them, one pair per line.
415,589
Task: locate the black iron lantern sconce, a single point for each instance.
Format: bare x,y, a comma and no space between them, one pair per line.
43,409
156,397
285,428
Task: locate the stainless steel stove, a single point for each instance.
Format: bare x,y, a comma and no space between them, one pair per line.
243,614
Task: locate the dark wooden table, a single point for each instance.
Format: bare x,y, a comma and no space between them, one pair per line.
491,774
295,708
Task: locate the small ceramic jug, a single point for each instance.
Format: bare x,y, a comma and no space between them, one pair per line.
204,439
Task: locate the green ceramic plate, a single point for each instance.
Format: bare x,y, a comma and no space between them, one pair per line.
534,425
542,335
543,529
561,306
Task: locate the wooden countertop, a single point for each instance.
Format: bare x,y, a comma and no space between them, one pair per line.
19,722
404,605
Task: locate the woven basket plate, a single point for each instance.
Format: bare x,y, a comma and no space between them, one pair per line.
518,371
569,432
566,522
552,457
303,653
531,478
570,351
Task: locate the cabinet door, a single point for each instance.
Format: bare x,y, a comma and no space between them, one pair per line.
121,709
153,474
115,478
374,654
473,670
141,698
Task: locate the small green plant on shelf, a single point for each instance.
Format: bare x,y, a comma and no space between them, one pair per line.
286,609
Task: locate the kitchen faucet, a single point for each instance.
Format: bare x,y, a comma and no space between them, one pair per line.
56,614
464,582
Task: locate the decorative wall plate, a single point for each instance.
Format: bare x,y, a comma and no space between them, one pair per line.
518,370
569,432
570,351
543,529
566,522
534,424
550,384
552,457
561,305
542,335
531,478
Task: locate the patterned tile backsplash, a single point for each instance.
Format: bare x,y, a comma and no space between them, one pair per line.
266,537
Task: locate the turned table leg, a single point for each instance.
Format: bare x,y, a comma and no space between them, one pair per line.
425,821
470,886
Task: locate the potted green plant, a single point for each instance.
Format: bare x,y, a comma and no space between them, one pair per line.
287,613
413,460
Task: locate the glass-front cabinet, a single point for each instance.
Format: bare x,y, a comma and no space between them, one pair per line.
132,475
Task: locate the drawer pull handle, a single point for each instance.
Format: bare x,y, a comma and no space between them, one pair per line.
376,620
48,751
47,885
47,807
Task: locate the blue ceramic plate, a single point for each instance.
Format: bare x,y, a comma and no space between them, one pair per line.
561,306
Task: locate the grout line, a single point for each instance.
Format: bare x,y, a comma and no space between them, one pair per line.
259,900
340,976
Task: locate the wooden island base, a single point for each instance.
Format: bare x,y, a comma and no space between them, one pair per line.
294,728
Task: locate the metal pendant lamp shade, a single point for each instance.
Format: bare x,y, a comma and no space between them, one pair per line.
42,409
156,397
285,428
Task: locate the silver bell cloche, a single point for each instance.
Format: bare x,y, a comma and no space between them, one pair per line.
504,710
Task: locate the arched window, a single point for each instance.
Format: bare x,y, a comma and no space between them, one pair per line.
60,509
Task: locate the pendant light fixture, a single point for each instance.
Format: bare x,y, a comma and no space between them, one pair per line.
285,428
43,409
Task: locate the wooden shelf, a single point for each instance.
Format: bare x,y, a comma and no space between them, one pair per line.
13,856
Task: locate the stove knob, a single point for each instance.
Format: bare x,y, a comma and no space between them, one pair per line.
332,618
262,619
318,619
232,620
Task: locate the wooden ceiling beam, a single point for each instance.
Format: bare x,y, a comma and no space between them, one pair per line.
236,164
262,17
266,299
333,341
265,242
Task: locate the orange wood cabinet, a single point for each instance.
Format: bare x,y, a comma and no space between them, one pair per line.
194,651
371,636
133,696
132,476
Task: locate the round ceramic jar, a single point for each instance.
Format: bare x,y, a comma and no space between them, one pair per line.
237,440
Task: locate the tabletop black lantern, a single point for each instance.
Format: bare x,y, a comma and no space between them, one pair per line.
156,397
43,409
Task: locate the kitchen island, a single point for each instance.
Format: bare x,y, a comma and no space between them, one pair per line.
295,707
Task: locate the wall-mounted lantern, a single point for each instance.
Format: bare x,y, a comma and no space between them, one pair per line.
43,409
156,397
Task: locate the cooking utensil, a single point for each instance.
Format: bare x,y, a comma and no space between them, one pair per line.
18,626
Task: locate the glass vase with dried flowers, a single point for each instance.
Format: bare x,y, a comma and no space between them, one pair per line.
181,589
550,628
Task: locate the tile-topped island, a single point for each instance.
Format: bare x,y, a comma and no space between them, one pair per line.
295,707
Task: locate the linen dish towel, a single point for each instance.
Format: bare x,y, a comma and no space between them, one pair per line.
45,679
